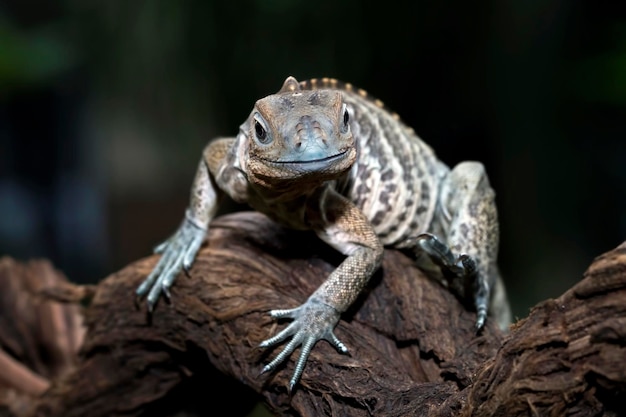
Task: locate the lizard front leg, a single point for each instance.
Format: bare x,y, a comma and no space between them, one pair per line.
468,218
179,251
344,227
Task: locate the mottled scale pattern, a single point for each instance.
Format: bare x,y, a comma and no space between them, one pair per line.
396,176
334,160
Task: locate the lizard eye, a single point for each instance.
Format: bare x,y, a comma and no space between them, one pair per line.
260,132
346,118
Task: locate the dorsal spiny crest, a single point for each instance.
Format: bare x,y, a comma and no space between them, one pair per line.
290,85
334,84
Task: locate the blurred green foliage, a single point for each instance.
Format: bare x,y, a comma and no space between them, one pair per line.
30,58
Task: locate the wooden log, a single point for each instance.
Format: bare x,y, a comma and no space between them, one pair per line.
413,350
39,338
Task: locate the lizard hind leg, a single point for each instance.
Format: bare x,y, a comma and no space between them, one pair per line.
467,223
457,272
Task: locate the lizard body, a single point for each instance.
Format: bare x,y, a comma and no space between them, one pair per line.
321,155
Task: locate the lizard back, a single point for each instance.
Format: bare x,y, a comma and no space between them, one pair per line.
395,179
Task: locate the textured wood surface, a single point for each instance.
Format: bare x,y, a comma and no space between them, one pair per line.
39,338
412,346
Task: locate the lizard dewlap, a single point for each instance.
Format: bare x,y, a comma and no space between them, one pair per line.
321,155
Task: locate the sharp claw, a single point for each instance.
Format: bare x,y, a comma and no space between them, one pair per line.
275,313
139,292
292,384
337,343
290,313
480,322
166,293
160,248
188,261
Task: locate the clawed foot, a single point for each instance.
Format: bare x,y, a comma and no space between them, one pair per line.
463,267
313,321
178,253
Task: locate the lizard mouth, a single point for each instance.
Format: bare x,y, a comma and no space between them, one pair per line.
329,165
311,162
265,171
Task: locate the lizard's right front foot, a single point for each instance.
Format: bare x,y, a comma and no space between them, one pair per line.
178,252
313,321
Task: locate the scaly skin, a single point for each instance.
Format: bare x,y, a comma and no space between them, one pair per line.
320,155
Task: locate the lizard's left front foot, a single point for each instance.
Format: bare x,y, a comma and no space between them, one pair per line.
464,268
313,321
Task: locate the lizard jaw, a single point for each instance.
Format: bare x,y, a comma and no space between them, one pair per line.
264,171
320,164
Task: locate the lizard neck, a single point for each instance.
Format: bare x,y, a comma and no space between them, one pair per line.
295,208
284,191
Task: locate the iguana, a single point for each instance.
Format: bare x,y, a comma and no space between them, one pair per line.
324,156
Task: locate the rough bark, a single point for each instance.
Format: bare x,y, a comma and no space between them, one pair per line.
413,350
39,338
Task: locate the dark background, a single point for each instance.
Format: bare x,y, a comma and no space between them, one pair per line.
105,106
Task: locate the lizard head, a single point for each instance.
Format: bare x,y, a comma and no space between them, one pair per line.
299,135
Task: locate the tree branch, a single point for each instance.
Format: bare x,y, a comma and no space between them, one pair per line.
413,350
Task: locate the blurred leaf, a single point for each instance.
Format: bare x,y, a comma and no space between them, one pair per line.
31,57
